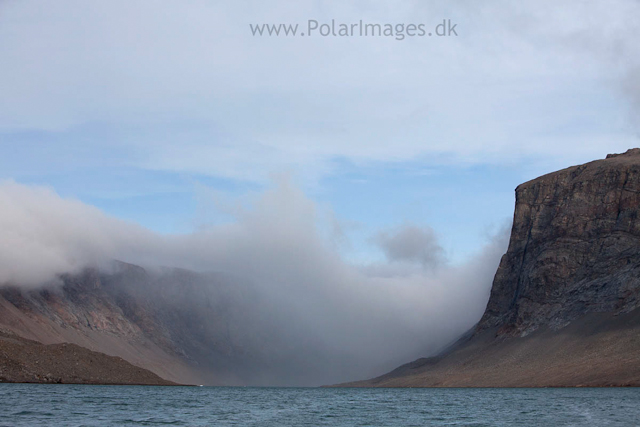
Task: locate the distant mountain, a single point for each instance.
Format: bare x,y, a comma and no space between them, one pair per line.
186,327
564,306
89,310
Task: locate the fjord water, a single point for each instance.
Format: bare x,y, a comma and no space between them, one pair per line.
85,405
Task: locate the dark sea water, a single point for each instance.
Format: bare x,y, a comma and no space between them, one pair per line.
77,405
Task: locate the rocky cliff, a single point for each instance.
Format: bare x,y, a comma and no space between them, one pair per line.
563,309
574,247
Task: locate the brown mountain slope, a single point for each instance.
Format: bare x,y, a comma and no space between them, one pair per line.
595,350
186,327
178,324
27,361
564,306
81,312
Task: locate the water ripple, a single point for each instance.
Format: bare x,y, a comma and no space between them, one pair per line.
82,405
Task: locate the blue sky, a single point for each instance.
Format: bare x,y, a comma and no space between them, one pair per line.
155,112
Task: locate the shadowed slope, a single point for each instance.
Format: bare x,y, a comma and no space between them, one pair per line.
27,361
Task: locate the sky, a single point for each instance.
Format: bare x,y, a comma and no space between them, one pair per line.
173,116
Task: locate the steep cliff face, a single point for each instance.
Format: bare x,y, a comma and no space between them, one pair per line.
564,308
574,248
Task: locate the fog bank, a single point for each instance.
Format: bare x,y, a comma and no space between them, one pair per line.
379,315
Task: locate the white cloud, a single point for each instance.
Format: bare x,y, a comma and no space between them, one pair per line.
251,105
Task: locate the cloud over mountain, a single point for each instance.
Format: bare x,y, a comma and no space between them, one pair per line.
277,247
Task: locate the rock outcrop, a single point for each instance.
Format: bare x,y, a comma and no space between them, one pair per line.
574,248
564,306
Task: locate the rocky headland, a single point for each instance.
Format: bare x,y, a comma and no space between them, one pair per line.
564,305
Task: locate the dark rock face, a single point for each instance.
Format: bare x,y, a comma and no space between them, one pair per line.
574,248
564,309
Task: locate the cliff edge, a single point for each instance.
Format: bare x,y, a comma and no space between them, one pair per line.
574,248
563,309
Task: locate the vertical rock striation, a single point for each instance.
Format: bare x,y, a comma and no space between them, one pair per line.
574,247
564,306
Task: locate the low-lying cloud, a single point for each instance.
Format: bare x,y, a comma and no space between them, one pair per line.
379,316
